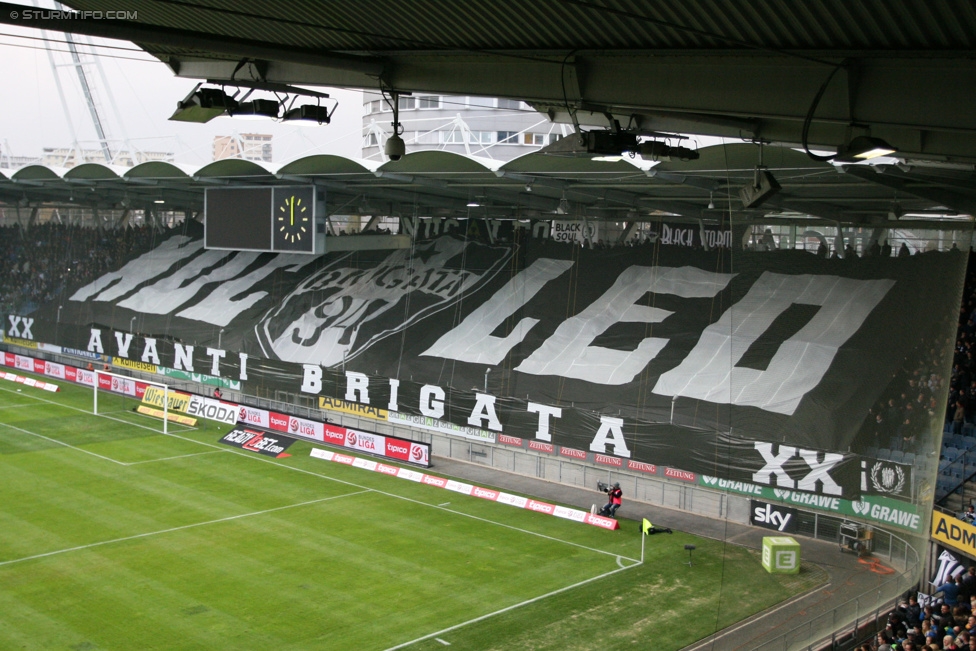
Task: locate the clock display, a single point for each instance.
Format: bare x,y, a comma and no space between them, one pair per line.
268,218
293,220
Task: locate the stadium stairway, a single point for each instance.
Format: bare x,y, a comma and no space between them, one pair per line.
847,578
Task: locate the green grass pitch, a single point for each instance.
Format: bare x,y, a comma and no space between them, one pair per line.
115,536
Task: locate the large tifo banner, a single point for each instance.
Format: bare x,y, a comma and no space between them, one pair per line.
758,367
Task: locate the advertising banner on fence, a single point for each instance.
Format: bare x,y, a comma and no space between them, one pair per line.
270,445
772,516
953,532
467,489
384,446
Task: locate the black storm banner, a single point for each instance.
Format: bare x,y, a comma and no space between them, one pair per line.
672,355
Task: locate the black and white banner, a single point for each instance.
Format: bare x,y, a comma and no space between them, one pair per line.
665,354
949,568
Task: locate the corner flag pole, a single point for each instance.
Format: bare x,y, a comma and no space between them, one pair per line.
643,539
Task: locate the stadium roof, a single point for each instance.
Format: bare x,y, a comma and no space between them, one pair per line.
748,69
438,183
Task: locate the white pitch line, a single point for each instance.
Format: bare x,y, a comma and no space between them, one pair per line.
100,456
16,406
255,457
512,607
180,528
48,438
180,456
444,642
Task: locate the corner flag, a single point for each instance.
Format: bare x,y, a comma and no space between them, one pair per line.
646,527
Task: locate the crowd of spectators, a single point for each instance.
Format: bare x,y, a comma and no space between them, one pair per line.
909,408
39,263
948,624
961,407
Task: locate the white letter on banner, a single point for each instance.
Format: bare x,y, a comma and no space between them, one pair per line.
472,341
484,409
394,387
709,372
243,374
357,383
610,433
183,357
123,341
568,353
95,342
774,465
545,414
820,472
26,332
311,378
149,353
215,356
432,401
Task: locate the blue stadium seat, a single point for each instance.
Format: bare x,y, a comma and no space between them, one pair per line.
909,458
952,453
897,456
871,452
884,453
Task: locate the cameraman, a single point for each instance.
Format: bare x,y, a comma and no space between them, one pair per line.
615,496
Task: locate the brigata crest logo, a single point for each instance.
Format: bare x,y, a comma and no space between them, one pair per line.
887,478
344,308
861,508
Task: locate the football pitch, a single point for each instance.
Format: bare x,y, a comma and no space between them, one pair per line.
116,536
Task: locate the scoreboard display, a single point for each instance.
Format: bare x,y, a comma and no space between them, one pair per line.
273,219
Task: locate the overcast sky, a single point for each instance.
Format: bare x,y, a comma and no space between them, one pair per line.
145,93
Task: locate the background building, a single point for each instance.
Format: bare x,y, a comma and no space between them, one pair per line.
488,127
249,146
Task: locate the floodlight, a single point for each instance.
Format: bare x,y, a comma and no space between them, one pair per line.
563,208
762,188
590,144
863,148
203,105
311,112
657,150
258,107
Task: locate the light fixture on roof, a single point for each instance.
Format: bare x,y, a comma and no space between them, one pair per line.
563,207
267,108
310,112
610,145
711,201
763,185
159,201
203,105
206,103
863,148
657,150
